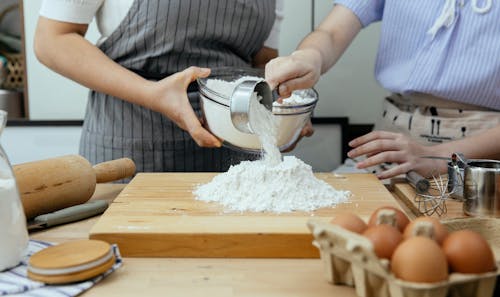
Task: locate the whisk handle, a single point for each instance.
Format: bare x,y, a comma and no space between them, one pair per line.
420,183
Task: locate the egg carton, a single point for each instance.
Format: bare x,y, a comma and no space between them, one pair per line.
349,259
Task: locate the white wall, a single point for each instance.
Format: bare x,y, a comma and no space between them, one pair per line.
348,90
26,144
51,96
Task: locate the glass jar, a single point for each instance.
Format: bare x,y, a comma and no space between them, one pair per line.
13,232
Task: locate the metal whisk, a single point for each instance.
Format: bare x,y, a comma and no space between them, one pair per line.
431,193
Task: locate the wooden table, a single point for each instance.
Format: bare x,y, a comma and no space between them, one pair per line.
201,277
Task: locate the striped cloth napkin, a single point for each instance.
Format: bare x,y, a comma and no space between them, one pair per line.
15,280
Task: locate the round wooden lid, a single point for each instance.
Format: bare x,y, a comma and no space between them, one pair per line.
70,254
83,275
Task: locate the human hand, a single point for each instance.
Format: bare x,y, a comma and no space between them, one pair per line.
306,131
300,70
381,147
170,99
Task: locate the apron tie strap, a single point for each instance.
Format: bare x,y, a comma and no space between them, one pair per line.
484,9
448,14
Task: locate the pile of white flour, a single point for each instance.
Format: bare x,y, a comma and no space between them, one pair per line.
256,186
294,99
270,184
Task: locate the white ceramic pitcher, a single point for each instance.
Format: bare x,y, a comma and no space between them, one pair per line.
13,232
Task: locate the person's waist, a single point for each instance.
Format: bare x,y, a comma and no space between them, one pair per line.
156,76
426,100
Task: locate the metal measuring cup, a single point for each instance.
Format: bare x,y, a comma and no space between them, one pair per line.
482,188
240,102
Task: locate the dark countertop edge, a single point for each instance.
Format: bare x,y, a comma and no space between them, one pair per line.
43,123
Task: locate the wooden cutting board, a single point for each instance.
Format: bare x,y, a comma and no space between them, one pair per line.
157,216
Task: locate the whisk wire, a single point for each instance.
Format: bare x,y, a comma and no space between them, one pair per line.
434,200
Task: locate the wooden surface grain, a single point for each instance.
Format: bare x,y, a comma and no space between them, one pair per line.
200,277
156,215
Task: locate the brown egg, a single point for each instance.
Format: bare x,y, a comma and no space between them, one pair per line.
385,239
401,219
419,259
468,252
350,222
439,230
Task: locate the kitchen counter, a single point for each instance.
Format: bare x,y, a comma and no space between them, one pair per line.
200,277
215,276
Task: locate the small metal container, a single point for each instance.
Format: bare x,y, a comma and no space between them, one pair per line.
240,102
482,188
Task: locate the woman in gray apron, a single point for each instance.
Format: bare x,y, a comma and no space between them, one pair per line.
135,110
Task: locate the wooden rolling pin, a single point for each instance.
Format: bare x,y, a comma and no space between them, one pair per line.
53,184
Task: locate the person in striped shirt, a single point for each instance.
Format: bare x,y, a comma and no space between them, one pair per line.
441,62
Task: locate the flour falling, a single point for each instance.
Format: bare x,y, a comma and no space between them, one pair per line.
265,125
270,184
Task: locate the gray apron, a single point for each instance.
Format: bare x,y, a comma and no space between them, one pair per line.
158,38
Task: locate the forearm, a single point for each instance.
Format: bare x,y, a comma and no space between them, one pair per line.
74,57
485,145
332,36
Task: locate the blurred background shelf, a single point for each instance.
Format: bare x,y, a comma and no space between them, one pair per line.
13,78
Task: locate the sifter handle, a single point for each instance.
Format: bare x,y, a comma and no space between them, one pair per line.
114,170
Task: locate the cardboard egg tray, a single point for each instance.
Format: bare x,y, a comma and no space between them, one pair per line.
349,259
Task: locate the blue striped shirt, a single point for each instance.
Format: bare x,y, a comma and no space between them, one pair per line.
460,63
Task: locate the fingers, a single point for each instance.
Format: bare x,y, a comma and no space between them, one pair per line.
372,136
279,70
201,136
404,163
204,138
395,171
308,130
192,73
300,66
383,157
292,146
174,103
381,147
285,89
374,147
394,157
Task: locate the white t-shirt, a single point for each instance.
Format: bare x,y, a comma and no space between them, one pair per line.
110,13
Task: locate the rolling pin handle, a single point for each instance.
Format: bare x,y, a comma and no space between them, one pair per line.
114,170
